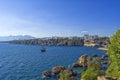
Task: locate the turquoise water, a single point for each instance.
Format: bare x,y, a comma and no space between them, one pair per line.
26,62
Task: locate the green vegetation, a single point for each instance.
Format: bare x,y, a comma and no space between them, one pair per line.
114,53
94,67
93,71
64,75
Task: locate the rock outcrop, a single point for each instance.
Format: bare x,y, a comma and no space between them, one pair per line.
83,60
57,69
106,78
76,65
70,72
47,73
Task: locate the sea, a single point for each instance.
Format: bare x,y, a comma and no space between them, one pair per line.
27,62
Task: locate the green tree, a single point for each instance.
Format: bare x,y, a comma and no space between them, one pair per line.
114,53
64,75
94,70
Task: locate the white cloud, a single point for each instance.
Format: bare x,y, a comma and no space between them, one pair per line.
84,32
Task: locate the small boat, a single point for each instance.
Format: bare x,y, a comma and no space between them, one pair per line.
43,50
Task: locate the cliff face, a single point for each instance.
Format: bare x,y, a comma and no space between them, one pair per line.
52,42
77,41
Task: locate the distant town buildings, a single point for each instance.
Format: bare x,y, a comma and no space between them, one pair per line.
90,38
86,40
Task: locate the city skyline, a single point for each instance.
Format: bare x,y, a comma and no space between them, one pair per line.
45,18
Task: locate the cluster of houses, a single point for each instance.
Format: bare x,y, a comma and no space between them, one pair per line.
86,40
89,40
95,40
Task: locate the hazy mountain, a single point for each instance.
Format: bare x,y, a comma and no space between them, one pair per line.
18,37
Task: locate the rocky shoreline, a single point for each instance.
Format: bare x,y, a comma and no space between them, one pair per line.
81,63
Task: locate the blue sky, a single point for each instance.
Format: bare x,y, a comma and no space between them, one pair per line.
43,18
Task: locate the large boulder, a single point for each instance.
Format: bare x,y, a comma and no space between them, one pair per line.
70,72
83,60
57,69
76,65
47,73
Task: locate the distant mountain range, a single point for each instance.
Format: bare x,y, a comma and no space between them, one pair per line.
18,37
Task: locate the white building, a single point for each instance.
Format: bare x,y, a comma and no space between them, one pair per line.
90,38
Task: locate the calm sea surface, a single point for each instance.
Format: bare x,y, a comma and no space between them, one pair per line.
26,62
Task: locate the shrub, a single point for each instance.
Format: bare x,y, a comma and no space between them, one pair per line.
94,70
64,75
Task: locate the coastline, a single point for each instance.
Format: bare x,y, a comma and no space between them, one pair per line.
104,49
